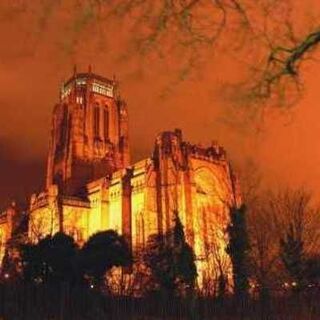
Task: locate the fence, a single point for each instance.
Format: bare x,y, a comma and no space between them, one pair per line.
44,302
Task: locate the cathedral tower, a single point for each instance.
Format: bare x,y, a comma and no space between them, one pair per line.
89,137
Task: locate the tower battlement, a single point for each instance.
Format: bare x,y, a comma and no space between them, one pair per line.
172,143
89,82
214,152
89,137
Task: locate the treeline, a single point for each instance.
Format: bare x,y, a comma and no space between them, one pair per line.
273,245
56,269
167,262
284,242
58,259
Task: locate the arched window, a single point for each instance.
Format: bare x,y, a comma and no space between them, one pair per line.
106,123
96,121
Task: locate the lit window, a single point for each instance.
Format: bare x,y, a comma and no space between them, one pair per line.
79,100
140,230
102,89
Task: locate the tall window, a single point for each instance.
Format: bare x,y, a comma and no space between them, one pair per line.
140,241
106,123
2,245
96,121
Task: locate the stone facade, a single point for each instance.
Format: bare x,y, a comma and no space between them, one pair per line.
91,185
89,137
13,229
6,227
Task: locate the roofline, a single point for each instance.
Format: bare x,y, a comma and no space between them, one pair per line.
89,75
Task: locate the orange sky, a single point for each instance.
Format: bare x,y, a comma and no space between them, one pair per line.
36,56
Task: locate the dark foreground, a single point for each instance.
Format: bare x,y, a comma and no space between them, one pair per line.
64,303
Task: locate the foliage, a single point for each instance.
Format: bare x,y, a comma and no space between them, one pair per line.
312,270
57,259
33,260
103,251
62,258
238,250
52,259
9,267
184,255
171,260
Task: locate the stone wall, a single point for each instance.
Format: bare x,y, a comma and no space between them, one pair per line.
141,201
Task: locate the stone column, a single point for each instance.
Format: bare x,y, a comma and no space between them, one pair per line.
126,206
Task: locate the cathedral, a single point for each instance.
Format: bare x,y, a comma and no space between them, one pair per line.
91,184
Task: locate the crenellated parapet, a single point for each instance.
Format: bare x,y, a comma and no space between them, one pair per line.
171,144
211,153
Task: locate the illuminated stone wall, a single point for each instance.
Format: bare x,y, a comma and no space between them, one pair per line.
4,233
7,224
136,200
214,195
141,201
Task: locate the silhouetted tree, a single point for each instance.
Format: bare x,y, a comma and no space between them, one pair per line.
34,264
312,270
292,256
184,256
171,260
266,34
62,259
222,286
103,251
298,224
238,250
9,267
159,258
52,259
264,250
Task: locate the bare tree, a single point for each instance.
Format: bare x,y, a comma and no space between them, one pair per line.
251,182
295,207
218,269
271,219
265,35
272,39
264,243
